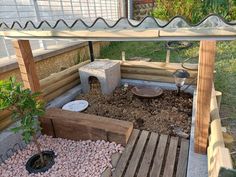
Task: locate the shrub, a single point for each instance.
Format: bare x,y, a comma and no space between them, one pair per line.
25,106
194,10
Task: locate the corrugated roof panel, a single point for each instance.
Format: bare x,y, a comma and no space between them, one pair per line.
123,29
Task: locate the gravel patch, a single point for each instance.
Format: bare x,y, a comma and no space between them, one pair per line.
74,158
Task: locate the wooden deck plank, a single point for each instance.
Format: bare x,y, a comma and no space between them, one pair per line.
171,156
133,164
183,159
126,154
147,158
158,159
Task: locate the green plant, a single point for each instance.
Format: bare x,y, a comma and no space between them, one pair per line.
225,8
167,9
24,106
194,10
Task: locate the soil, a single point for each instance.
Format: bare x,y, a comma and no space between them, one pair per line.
166,114
38,164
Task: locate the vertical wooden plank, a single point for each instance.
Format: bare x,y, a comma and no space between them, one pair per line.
183,159
136,157
126,154
158,160
171,156
147,158
27,66
204,87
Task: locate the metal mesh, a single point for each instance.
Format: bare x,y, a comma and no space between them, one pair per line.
37,10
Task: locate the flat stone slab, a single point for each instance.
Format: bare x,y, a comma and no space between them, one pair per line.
107,72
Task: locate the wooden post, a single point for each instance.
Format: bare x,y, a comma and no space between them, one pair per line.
204,88
168,56
26,64
91,53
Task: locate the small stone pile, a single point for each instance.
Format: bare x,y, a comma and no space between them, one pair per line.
74,158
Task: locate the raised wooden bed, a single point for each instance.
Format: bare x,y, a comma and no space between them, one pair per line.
79,126
154,71
218,155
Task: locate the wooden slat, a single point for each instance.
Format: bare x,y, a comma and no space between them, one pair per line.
126,154
218,98
158,159
147,158
154,65
183,159
51,88
5,122
171,156
221,159
119,34
61,90
214,110
153,71
130,172
207,53
150,77
4,114
81,126
60,75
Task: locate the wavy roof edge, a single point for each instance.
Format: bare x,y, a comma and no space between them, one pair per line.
212,27
212,20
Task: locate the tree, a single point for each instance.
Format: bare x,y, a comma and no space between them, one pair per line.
194,10
24,106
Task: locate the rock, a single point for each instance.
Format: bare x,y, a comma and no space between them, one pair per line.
74,158
180,133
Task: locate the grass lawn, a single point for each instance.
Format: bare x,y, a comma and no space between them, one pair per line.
225,80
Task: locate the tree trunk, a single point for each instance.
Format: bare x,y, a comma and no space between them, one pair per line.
39,149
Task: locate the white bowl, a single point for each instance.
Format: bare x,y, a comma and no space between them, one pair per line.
77,106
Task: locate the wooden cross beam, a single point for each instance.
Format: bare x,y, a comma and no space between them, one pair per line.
26,64
204,88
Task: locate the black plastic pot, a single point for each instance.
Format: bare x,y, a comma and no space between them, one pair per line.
30,163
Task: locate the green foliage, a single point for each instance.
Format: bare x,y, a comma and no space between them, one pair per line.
167,9
24,105
194,10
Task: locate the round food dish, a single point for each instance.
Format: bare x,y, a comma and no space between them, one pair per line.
77,105
147,92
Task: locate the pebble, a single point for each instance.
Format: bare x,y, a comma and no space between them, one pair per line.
74,158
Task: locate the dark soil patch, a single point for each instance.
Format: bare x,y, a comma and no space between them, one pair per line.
166,114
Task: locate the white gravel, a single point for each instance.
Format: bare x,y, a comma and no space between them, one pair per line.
74,158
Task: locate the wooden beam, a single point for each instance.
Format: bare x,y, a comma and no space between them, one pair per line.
26,64
204,88
81,126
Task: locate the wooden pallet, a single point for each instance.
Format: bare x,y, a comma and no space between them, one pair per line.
151,155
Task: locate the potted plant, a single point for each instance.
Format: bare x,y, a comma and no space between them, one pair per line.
26,107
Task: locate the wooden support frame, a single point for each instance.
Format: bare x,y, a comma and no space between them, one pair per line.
26,64
218,155
91,53
204,88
